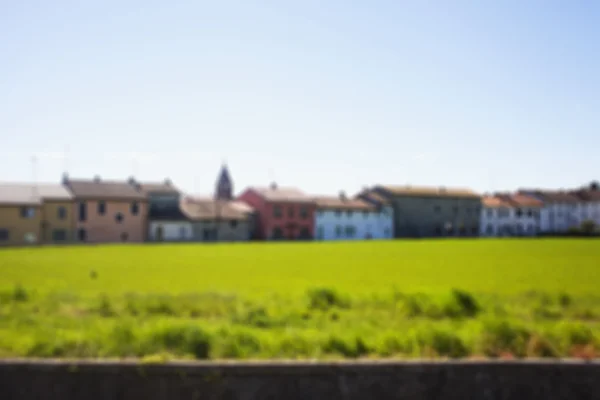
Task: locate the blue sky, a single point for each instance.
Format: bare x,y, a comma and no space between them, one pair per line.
323,95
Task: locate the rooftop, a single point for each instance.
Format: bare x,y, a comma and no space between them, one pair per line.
428,191
282,194
342,203
19,194
208,209
101,189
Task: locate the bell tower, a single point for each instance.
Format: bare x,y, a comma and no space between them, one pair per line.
224,187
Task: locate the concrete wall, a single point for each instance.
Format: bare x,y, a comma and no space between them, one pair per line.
344,381
367,224
434,216
498,221
104,228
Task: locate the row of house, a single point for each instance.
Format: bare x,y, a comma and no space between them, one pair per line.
100,211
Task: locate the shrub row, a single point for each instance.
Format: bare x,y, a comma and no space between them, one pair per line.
187,339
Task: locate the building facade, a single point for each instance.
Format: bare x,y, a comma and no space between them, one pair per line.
20,215
108,211
510,215
421,212
58,218
165,221
343,218
561,210
215,220
282,213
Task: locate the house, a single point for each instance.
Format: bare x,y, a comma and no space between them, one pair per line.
108,211
561,210
50,206
212,220
20,215
165,221
282,213
343,218
510,215
589,207
432,211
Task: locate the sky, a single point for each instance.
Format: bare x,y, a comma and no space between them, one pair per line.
321,95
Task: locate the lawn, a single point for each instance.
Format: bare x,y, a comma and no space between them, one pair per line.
447,298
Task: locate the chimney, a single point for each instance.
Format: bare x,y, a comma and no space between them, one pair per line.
65,178
131,180
273,185
97,178
343,196
168,182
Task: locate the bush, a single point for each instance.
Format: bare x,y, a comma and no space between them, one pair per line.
349,348
461,304
182,339
500,337
237,344
326,298
20,294
443,343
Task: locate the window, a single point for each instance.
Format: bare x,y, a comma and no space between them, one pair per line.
455,209
503,212
27,212
124,236
349,213
474,230
530,229
59,235
386,232
462,231
490,212
82,235
233,224
291,212
350,231
437,209
519,213
530,213
61,213
119,218
135,208
30,237
182,232
4,235
338,213
490,229
305,233
277,212
319,232
277,233
365,213
519,229
468,211
82,211
438,230
303,212
101,208
338,231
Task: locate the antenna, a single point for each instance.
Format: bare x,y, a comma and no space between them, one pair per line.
134,165
66,159
34,176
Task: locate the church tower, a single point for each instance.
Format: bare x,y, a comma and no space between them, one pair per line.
224,187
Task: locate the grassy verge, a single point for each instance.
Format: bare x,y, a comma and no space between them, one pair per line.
322,323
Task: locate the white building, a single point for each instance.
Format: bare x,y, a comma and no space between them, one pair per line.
341,218
562,210
170,231
510,215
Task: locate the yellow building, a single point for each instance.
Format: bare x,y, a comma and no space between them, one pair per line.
20,215
35,214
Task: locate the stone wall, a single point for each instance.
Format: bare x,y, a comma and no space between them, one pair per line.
64,380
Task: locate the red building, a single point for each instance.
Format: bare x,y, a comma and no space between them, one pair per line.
283,213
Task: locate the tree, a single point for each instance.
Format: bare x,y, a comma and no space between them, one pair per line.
595,186
588,227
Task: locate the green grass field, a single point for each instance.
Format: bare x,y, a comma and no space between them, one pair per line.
450,298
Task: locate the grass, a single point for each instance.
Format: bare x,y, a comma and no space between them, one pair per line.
449,298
